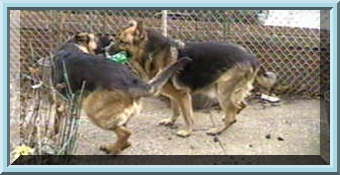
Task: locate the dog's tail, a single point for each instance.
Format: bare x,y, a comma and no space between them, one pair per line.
162,77
176,43
154,86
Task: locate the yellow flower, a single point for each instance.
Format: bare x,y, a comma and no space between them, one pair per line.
22,150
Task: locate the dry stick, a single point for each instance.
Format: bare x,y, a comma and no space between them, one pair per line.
47,102
63,148
70,131
70,96
42,132
35,114
48,120
67,81
73,125
54,96
61,135
65,129
21,121
38,127
26,123
79,105
38,121
214,125
74,120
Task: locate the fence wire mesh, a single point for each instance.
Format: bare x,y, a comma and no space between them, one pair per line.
291,52
283,41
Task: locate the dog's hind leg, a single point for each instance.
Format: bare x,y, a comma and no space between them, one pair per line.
122,142
230,111
110,110
231,96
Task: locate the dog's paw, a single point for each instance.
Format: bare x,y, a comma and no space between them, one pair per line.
109,149
114,149
167,122
183,133
214,131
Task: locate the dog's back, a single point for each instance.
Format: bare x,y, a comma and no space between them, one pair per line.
96,72
210,61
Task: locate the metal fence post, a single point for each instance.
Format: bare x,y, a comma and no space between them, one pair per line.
165,22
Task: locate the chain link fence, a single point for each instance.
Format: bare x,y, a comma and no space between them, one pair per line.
287,42
292,52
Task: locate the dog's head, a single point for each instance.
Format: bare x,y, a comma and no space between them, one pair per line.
87,42
132,38
94,43
106,44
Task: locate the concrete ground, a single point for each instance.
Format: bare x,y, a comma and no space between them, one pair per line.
293,128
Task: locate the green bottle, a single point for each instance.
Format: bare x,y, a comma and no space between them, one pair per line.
121,57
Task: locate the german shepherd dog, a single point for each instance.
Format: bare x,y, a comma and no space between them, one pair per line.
223,70
113,91
82,42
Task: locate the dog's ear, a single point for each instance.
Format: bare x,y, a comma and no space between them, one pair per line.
139,31
140,27
82,37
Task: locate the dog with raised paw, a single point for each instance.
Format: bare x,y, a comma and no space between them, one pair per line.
112,91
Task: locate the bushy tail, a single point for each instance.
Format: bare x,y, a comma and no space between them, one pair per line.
154,86
162,77
177,43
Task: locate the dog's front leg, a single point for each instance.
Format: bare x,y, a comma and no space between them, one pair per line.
183,99
186,107
176,113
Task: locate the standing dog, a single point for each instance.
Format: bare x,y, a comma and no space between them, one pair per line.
112,90
225,71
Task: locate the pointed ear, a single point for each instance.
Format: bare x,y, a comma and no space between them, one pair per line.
140,26
139,29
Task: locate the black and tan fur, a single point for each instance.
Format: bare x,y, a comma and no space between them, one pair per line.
112,90
81,42
222,70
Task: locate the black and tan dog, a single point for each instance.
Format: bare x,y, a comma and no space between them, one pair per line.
82,42
113,91
223,70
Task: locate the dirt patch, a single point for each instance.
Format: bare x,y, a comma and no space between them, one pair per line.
292,128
